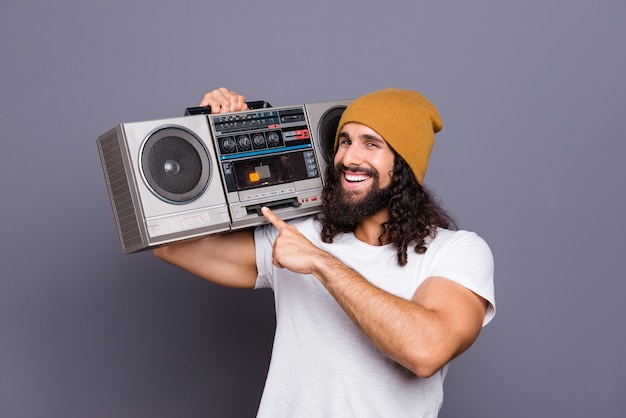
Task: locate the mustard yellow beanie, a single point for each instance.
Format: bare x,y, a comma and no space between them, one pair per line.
403,118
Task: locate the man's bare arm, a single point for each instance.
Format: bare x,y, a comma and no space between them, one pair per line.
225,259
441,321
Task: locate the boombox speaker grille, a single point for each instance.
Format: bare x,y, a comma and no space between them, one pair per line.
175,164
327,129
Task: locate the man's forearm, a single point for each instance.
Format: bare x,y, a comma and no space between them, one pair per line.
403,330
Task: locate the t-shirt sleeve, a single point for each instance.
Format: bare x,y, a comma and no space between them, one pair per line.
264,237
467,259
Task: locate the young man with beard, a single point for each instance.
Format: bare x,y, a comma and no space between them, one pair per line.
375,296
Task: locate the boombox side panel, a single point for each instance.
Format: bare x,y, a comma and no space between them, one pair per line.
324,119
119,189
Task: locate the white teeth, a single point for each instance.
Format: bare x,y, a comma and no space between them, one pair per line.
354,177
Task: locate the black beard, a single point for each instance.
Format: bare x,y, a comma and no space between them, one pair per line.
345,210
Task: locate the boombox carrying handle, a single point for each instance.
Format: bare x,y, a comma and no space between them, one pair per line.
206,110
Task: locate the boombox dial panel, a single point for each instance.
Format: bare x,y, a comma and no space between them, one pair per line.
267,157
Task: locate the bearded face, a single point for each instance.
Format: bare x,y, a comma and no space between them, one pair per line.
348,207
358,186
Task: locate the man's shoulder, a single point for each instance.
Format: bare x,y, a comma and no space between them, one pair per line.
307,224
447,236
459,244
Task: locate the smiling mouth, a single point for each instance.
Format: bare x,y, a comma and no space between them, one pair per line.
355,178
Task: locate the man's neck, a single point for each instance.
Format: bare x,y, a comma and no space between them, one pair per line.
370,229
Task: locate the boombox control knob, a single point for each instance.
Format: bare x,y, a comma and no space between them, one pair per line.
229,144
244,142
259,140
273,138
171,167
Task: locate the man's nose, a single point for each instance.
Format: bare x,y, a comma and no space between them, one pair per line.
352,156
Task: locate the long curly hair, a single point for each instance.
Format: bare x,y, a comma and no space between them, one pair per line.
414,212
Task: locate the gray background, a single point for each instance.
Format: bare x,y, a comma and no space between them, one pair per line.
531,157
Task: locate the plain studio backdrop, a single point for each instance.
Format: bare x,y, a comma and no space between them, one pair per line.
533,99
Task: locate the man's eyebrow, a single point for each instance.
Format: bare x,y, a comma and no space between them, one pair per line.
343,134
372,138
365,137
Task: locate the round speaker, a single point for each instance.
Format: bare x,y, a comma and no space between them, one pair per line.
175,164
327,131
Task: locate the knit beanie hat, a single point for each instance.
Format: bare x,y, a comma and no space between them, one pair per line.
405,119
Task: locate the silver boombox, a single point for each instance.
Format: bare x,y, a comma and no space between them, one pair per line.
200,174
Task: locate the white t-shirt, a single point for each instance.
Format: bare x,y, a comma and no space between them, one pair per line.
322,365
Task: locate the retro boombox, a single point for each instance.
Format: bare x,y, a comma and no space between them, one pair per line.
201,174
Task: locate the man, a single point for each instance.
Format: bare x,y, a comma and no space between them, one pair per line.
375,296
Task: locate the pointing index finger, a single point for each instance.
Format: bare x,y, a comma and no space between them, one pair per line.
273,218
